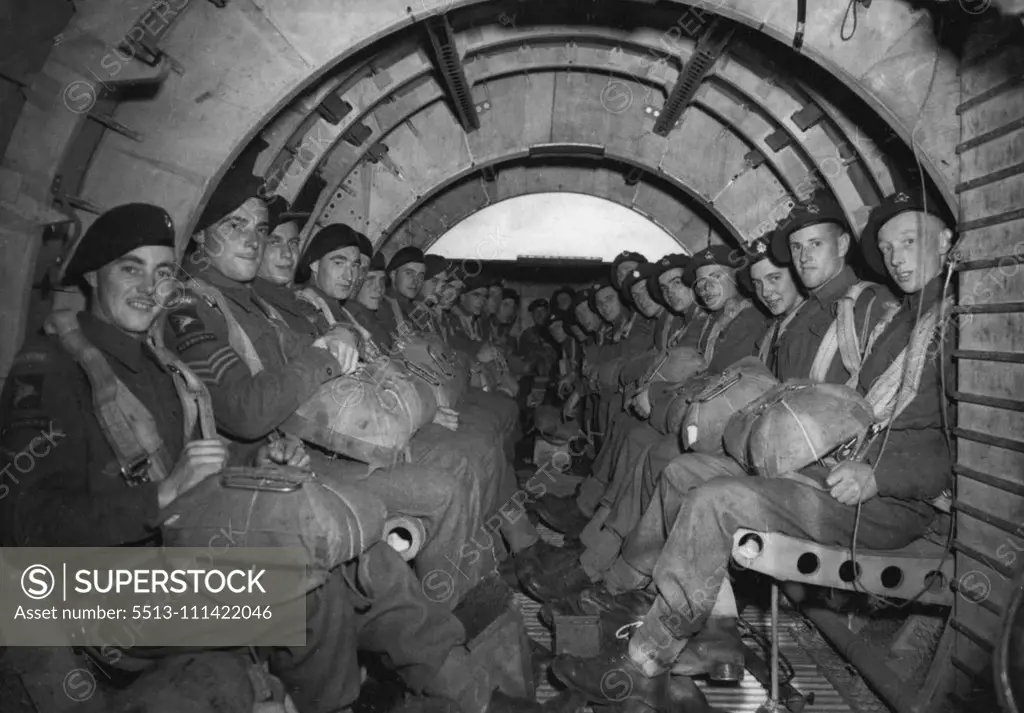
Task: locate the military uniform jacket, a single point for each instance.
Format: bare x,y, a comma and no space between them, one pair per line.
738,339
381,337
669,328
63,487
916,463
792,354
536,349
301,317
248,406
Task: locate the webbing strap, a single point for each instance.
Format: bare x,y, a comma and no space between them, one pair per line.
775,333
309,295
192,392
723,321
237,338
125,421
400,320
841,337
893,391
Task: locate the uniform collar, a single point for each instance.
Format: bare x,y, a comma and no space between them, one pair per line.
929,295
241,292
113,342
277,293
826,295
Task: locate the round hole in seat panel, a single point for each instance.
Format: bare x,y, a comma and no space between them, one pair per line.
808,563
752,538
892,577
849,571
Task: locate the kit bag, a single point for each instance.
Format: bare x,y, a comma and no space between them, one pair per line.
370,415
795,425
278,506
715,398
427,356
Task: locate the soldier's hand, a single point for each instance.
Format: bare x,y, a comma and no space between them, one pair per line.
851,482
343,346
642,403
486,354
565,386
198,461
446,417
287,450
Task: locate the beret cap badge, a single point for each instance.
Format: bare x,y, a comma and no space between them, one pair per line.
759,247
902,198
708,255
813,208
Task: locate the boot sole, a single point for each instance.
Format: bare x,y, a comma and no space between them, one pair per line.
719,672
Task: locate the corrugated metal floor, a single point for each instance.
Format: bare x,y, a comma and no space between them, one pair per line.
743,698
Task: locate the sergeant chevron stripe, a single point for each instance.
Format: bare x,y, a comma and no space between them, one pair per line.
213,367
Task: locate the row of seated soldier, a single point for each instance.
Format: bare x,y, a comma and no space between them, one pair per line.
301,354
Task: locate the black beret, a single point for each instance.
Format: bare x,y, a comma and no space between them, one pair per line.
624,256
238,185
365,246
378,263
509,294
890,207
435,265
405,256
117,232
537,304
475,282
820,208
669,262
760,250
582,296
494,280
714,255
330,238
639,274
563,290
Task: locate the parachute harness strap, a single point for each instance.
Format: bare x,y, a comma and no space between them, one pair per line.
807,436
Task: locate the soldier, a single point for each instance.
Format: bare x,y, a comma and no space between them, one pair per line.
795,347
623,264
366,306
331,269
733,334
489,317
81,493
259,372
275,279
884,500
535,345
562,299
717,649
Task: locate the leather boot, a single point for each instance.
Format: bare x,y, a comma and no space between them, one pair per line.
561,514
717,651
613,679
545,585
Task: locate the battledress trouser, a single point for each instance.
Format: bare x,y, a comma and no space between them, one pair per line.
691,568
372,604
445,497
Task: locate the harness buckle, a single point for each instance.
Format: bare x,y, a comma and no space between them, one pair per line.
442,360
264,483
137,472
422,372
720,388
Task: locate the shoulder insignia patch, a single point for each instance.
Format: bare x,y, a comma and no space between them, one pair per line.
185,322
27,392
194,340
